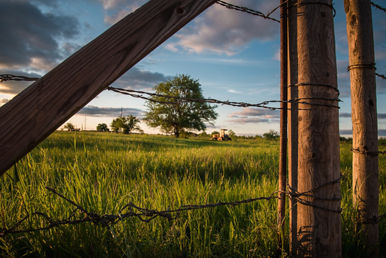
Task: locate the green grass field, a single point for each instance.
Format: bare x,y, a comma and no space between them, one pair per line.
102,172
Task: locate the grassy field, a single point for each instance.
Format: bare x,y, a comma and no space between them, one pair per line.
103,172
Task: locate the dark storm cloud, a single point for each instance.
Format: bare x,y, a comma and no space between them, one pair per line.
140,79
109,111
133,79
28,34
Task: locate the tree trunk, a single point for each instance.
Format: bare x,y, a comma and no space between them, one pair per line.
318,221
176,132
364,120
292,119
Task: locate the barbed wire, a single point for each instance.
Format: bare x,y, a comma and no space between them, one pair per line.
147,215
107,220
249,10
381,76
11,77
378,6
150,97
263,104
368,153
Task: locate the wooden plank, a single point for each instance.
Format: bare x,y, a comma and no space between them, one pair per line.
292,120
318,223
39,110
364,120
282,182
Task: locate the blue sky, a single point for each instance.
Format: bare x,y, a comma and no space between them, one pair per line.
233,55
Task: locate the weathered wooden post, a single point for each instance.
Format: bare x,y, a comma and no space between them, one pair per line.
292,118
318,221
364,118
283,121
36,112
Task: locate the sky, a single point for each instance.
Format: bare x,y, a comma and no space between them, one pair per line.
235,56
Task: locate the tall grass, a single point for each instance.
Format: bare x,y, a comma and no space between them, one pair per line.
103,172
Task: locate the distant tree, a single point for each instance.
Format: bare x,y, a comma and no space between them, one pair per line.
102,127
214,132
173,115
272,134
204,134
231,133
70,127
126,124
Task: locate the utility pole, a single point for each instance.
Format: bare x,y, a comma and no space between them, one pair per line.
292,118
318,204
283,122
364,120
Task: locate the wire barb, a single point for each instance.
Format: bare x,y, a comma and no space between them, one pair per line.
263,104
248,10
378,6
368,153
11,77
381,76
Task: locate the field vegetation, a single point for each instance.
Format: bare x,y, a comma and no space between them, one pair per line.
104,171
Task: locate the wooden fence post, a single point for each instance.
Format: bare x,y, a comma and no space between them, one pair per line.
292,119
39,110
283,122
364,119
318,221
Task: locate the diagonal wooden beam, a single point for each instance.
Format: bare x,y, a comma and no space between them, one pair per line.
40,109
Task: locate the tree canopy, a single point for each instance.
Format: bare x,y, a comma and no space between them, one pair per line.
69,127
102,127
173,115
126,124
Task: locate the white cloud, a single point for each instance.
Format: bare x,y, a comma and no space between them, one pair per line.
225,31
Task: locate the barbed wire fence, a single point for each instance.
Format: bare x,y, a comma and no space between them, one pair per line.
81,215
378,6
168,99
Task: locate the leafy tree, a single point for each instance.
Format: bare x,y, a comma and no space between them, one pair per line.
272,134
127,124
173,115
231,133
102,128
70,127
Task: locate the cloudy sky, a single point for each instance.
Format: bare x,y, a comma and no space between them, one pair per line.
233,55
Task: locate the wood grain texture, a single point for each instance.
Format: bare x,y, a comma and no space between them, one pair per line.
39,110
318,230
282,180
364,119
292,120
